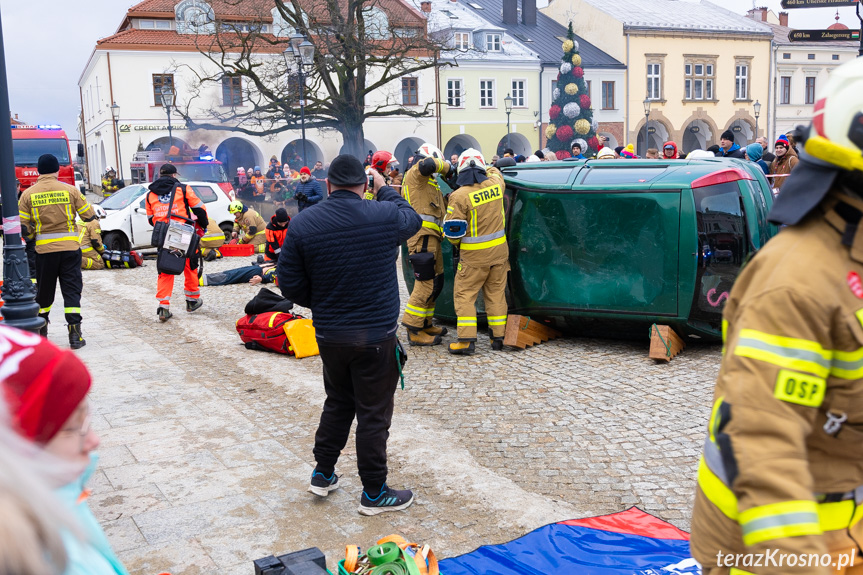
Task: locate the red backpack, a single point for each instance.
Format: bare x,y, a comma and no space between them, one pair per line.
266,331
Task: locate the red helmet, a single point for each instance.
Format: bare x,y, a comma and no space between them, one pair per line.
381,159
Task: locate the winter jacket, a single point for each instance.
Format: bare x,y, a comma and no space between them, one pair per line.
735,151
674,156
275,238
311,190
783,165
421,189
90,238
186,203
47,210
91,554
480,205
339,261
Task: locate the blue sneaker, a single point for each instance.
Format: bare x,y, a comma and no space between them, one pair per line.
321,485
387,500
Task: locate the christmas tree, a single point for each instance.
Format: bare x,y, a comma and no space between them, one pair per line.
571,117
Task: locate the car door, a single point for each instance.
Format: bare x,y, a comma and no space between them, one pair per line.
142,231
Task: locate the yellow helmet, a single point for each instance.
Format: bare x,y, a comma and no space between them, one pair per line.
235,207
836,134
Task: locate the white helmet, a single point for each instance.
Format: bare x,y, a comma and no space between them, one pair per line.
836,135
471,158
428,150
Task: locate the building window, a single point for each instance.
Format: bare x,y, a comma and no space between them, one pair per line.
654,78
492,42
461,41
786,56
589,89
741,82
160,80
517,93
232,91
785,90
163,24
147,25
810,90
810,56
698,80
608,95
410,94
454,93
486,93
835,56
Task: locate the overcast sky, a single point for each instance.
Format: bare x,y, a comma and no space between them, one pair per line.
48,43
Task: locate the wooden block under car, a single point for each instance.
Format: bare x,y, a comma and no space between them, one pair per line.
659,350
521,331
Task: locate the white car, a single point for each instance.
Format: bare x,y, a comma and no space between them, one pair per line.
125,225
79,182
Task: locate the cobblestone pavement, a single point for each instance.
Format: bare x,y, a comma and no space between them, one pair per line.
206,447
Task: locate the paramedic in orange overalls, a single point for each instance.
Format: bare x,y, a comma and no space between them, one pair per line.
185,204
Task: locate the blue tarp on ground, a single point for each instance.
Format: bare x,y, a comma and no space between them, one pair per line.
631,542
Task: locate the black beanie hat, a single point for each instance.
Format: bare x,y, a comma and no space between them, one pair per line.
167,169
346,170
727,135
48,164
618,149
282,215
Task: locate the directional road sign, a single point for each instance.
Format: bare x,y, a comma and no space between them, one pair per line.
817,3
823,35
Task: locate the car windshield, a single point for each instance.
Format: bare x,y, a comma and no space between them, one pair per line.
27,152
123,197
202,173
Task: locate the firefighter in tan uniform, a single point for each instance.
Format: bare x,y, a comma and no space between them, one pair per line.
475,222
213,239
90,239
252,225
422,191
48,210
781,478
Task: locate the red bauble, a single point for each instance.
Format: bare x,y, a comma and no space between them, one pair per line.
593,143
554,112
562,154
578,71
584,100
564,133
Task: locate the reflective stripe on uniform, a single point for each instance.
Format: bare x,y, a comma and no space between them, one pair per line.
419,311
780,520
432,222
484,242
71,310
85,250
196,292
450,210
50,238
45,309
466,321
84,208
88,263
848,364
787,352
496,320
406,192
24,215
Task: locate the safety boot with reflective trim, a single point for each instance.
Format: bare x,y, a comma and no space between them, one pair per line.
497,343
164,314
193,304
420,337
462,348
76,340
434,330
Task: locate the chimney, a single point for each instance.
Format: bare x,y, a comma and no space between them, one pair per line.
425,6
510,11
528,12
783,19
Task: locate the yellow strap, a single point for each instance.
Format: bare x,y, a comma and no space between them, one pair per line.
484,245
273,318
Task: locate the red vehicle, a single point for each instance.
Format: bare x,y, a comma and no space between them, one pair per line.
30,142
191,166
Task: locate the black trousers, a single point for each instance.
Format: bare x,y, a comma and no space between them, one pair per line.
359,381
66,267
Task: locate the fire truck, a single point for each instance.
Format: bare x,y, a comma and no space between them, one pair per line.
30,142
192,166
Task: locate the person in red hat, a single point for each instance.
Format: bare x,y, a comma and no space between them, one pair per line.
308,191
46,391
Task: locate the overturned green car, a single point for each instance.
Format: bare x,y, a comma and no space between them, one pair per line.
610,247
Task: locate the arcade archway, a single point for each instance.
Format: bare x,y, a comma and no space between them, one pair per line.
458,144
238,153
657,134
164,144
518,142
405,149
293,154
697,135
367,146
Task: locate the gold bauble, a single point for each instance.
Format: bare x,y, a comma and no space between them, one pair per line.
567,46
571,89
582,126
576,60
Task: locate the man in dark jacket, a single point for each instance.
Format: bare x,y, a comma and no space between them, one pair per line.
339,261
727,147
308,191
275,234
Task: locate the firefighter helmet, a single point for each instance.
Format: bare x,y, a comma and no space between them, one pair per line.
381,159
235,207
428,150
471,158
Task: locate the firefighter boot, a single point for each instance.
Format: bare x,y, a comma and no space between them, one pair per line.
497,343
434,330
76,340
194,304
164,314
211,255
421,337
462,348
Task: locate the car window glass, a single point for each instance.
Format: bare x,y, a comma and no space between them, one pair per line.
543,176
205,193
123,197
619,175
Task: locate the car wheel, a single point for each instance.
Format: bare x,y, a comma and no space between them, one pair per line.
115,241
228,229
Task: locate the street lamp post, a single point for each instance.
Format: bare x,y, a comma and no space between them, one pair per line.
507,104
168,96
19,296
757,107
646,122
115,114
302,52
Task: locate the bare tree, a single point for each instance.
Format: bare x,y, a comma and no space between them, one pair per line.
362,50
